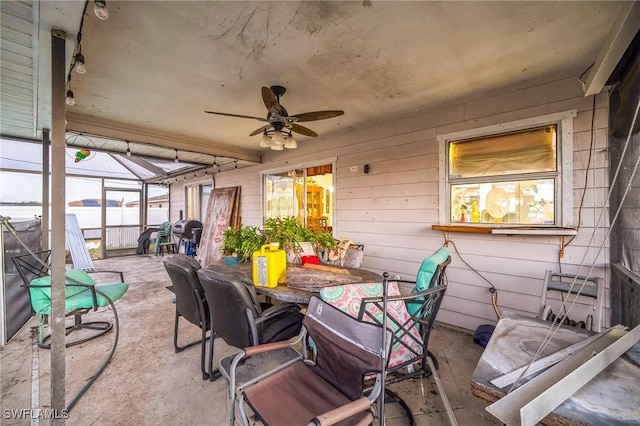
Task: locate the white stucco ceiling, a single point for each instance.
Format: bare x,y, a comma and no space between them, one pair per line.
155,66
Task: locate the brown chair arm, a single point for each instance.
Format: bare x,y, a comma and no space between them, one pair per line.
341,413
267,347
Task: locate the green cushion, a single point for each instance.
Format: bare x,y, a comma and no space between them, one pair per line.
76,297
425,274
70,289
85,299
428,268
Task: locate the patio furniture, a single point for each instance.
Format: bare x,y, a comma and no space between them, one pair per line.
237,316
190,303
295,290
164,239
328,389
411,315
82,295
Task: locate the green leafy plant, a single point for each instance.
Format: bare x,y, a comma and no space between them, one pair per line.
289,233
242,242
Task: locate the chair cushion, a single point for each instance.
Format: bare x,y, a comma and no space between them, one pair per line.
428,268
76,297
78,275
348,298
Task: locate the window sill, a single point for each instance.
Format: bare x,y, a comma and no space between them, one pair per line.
505,231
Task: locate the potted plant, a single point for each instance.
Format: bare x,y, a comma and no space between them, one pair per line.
239,244
289,233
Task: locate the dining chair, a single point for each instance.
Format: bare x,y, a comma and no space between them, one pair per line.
412,310
238,317
190,304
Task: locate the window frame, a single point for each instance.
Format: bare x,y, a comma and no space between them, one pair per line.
299,166
564,159
198,206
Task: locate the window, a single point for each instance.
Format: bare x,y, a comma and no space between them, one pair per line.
303,192
196,200
517,173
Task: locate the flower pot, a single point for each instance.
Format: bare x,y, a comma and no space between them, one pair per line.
231,260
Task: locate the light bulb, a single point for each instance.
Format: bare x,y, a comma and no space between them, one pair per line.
71,101
277,138
100,9
128,152
175,160
79,66
290,143
277,147
265,141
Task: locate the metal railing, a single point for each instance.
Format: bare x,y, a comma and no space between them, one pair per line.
117,236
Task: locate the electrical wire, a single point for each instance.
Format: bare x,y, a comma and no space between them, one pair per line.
492,288
586,174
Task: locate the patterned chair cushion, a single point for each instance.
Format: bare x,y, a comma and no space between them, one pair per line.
348,298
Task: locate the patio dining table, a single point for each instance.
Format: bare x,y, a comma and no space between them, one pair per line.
306,283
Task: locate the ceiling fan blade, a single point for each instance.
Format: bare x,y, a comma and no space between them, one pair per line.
236,115
317,115
303,130
260,130
270,101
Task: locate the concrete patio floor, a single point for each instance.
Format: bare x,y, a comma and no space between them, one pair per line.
148,383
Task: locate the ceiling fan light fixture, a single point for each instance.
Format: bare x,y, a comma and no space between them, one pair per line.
277,147
100,9
290,142
277,138
265,141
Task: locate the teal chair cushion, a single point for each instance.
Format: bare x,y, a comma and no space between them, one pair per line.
425,274
428,268
76,297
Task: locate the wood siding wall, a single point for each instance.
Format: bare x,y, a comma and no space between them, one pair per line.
391,209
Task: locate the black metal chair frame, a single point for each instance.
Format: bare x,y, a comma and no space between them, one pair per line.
41,268
426,304
204,319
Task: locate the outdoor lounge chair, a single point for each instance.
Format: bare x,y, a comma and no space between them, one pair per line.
236,315
82,295
190,303
328,389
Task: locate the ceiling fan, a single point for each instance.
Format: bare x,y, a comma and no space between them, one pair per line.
276,134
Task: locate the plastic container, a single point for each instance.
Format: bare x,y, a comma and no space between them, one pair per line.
269,266
310,259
